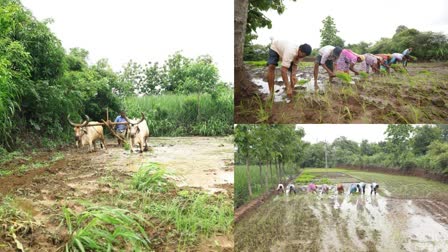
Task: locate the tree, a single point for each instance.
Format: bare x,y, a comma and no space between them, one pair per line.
328,33
243,141
344,151
314,155
247,19
423,137
398,136
360,48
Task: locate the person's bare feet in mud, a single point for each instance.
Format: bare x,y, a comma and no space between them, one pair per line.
289,98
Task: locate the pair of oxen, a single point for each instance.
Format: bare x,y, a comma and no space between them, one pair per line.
88,132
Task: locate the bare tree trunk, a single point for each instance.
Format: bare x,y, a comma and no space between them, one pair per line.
240,22
277,169
248,177
270,167
266,175
244,87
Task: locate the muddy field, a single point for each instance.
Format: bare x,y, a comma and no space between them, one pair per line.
414,97
321,222
192,163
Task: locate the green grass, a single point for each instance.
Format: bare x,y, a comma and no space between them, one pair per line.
25,166
193,214
57,156
405,186
151,178
261,63
322,170
305,178
145,212
103,228
182,115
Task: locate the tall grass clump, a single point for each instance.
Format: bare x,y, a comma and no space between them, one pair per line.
150,178
182,115
105,229
194,214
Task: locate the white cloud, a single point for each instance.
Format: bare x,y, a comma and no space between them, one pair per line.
143,30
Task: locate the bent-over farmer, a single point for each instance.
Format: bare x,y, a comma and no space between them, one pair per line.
290,55
327,59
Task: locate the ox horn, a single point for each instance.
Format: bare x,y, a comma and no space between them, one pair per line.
72,123
143,118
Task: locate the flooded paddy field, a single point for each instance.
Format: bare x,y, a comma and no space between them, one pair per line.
398,218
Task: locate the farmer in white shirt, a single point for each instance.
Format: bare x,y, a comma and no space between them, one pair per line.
327,58
407,56
290,54
291,188
361,187
280,187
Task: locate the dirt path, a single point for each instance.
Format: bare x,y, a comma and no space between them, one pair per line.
202,162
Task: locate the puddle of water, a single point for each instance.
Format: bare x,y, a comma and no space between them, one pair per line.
425,234
280,90
198,162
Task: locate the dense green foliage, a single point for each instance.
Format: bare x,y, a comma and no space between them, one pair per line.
180,115
255,52
427,45
40,84
257,19
405,147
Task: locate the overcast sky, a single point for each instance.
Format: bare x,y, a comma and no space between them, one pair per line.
143,30
356,20
357,132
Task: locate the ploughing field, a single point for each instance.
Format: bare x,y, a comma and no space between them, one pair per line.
176,196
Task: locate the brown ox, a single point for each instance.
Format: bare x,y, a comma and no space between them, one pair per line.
88,134
139,133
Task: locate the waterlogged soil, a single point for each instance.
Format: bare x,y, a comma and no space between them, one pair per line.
332,222
418,96
204,163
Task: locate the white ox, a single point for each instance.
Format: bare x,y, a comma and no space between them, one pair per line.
88,134
139,133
